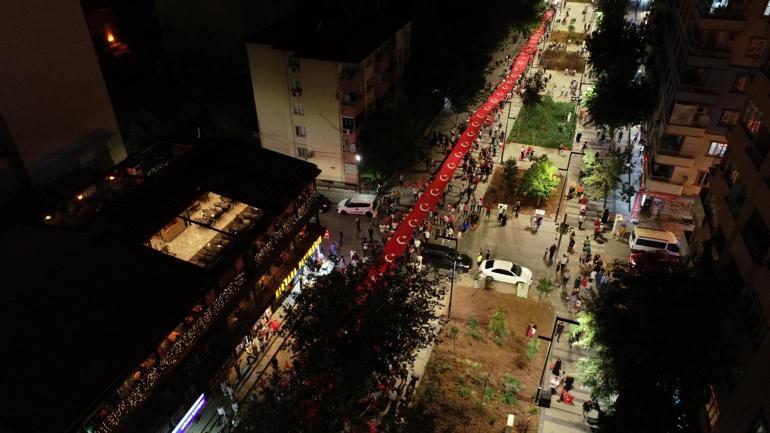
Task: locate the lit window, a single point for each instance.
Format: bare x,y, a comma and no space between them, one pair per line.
741,83
350,168
702,178
729,117
717,149
712,408
299,131
302,152
752,118
767,9
299,109
759,426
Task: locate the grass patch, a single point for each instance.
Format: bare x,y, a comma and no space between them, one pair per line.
545,124
561,59
465,392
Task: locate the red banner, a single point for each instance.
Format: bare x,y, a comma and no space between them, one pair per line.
485,114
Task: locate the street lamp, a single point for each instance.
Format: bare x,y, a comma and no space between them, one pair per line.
454,271
358,171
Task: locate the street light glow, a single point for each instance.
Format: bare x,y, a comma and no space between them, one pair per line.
358,158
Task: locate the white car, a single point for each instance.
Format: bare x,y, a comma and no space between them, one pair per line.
505,271
361,204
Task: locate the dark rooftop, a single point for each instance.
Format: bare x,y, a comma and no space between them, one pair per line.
330,38
78,311
81,306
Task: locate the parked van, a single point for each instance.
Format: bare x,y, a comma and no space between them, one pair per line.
361,204
643,239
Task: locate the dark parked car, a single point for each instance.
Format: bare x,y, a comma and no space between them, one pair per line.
440,256
649,258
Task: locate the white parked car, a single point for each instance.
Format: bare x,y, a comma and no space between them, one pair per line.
505,271
361,204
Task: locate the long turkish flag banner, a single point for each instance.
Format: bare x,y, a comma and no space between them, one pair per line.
484,114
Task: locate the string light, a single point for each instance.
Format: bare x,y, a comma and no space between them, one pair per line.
145,385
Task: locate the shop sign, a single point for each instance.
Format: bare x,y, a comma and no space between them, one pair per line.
287,282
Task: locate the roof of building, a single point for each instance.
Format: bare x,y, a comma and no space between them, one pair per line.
81,306
78,311
330,38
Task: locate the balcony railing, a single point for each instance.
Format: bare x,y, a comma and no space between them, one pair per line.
676,153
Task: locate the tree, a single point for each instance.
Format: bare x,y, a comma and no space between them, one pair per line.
348,334
603,176
653,331
544,288
533,89
510,171
616,48
540,180
615,102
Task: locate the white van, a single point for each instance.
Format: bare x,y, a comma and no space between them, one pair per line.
361,204
643,239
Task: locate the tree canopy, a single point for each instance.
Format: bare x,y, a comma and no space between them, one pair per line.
540,180
349,334
653,340
603,175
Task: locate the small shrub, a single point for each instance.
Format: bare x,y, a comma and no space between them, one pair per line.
496,328
533,410
523,425
474,332
511,386
489,395
465,392
532,348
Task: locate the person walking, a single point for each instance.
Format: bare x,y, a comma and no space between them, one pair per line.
551,252
559,330
578,136
371,233
605,215
562,263
565,278
597,228
341,236
517,209
479,259
556,367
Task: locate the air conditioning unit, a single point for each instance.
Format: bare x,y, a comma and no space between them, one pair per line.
346,132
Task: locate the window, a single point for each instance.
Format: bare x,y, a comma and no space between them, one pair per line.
348,123
650,243
299,131
350,168
294,65
729,117
302,152
741,83
296,87
752,118
299,109
717,149
756,47
702,178
503,272
712,408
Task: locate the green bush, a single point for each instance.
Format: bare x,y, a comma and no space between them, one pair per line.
532,348
496,328
545,124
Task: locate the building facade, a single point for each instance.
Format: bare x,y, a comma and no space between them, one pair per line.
55,113
736,233
175,262
706,55
313,90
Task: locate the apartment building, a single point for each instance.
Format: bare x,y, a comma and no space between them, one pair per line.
56,116
736,233
132,298
316,80
707,52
